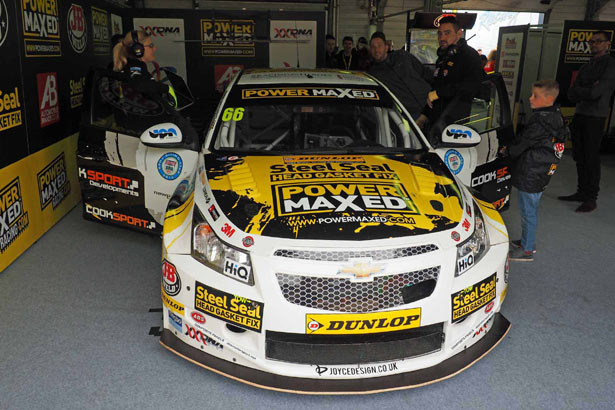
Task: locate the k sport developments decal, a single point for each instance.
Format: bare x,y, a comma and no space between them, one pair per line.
351,195
472,298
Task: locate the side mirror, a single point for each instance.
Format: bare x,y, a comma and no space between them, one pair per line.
166,134
459,136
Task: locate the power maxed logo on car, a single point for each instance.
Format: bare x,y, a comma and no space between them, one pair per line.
13,217
302,92
233,309
472,298
360,323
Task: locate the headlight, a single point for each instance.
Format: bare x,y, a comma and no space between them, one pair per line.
210,251
474,248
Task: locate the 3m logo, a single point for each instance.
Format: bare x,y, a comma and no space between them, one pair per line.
49,105
227,230
13,218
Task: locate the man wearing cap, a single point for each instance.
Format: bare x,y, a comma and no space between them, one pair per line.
402,73
457,77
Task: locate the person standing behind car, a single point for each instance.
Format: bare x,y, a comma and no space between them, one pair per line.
363,54
458,75
347,59
536,152
591,91
330,52
402,73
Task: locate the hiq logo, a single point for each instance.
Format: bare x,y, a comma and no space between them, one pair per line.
163,133
236,270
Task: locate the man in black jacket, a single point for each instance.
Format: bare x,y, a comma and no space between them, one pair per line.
457,77
536,153
402,73
591,91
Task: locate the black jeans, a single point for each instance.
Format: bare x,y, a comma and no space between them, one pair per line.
587,135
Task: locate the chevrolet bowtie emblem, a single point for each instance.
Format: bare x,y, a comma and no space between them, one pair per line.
362,270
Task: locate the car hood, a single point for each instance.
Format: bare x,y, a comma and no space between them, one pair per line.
335,197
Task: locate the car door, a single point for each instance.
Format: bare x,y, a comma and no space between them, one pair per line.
481,167
125,181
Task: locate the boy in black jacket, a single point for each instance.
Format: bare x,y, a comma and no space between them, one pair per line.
536,152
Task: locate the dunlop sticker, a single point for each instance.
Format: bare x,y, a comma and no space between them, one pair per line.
294,92
360,323
53,183
171,303
239,311
13,217
472,298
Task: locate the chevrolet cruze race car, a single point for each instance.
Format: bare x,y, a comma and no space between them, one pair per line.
315,242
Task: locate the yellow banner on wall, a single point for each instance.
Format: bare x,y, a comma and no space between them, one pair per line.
35,193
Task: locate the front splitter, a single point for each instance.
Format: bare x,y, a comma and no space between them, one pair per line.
408,380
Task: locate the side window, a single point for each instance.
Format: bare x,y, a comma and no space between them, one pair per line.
486,112
118,106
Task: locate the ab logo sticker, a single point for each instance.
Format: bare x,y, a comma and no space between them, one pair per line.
48,100
77,28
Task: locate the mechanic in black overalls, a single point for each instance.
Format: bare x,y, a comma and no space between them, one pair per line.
457,77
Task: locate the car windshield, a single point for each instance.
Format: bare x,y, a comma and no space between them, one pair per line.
313,119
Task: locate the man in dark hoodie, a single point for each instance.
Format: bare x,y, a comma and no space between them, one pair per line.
591,91
536,151
402,73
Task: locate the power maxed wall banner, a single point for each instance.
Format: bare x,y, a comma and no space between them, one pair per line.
46,49
574,52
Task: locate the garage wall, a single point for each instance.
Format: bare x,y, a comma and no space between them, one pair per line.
232,5
607,13
354,20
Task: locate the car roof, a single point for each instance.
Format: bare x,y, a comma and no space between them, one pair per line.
305,76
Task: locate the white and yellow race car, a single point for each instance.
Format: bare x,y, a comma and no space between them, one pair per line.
315,242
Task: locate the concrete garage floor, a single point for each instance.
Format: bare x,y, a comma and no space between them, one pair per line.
75,326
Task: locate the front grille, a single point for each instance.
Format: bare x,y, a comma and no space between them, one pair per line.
343,256
356,349
344,295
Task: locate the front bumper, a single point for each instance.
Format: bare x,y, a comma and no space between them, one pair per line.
278,351
417,378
